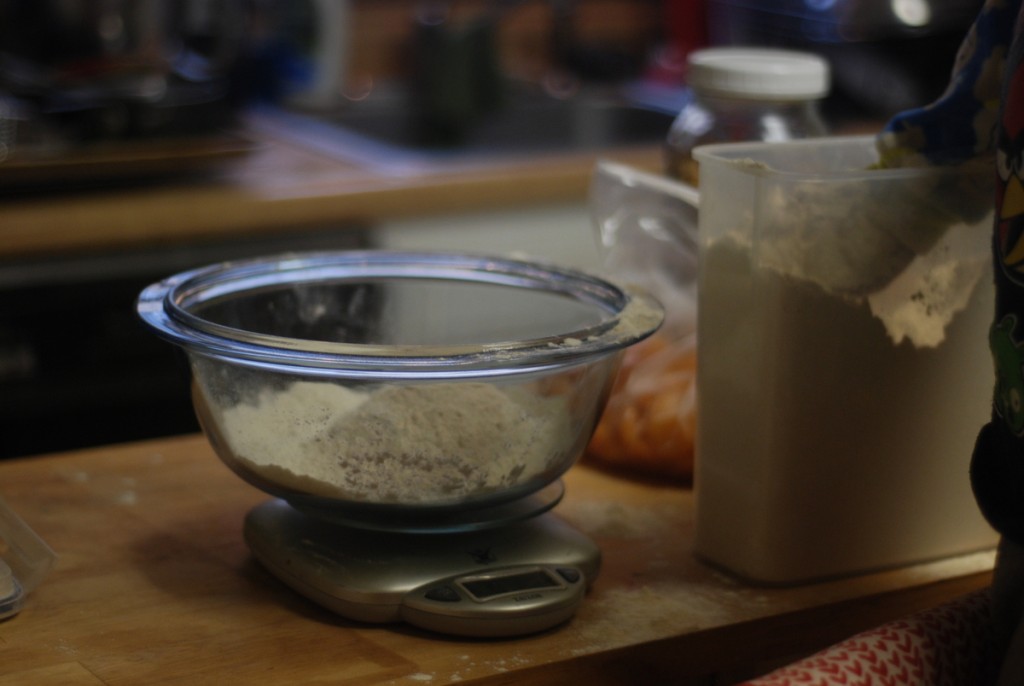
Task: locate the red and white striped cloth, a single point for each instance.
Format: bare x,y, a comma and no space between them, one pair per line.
945,646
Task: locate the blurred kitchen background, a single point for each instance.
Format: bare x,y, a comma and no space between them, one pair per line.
109,100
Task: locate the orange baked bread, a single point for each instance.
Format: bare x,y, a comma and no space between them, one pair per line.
650,422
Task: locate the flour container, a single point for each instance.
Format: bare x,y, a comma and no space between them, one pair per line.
843,369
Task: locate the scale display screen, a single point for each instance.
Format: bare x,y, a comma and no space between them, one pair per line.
490,587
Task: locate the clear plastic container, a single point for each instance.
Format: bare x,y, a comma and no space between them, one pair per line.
746,94
835,428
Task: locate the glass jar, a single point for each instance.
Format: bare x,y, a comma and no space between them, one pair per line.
746,94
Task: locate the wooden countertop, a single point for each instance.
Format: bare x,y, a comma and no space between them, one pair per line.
154,585
278,185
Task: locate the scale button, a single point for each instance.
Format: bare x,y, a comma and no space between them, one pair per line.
570,574
443,594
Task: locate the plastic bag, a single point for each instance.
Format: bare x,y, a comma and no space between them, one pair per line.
25,559
647,227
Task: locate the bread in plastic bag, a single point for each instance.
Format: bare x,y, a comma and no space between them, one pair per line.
647,228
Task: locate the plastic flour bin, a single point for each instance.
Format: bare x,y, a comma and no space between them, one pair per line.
843,368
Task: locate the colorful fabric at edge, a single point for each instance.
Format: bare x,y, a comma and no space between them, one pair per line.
981,114
997,469
961,124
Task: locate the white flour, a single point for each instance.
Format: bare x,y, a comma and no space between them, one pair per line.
855,238
426,444
922,293
920,303
824,445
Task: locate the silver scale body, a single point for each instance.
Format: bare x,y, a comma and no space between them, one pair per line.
511,579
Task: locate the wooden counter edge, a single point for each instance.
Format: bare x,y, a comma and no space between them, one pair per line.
267,196
793,635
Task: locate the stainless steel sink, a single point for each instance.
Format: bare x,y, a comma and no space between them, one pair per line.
385,132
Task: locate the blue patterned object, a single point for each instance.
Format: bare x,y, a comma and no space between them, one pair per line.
962,123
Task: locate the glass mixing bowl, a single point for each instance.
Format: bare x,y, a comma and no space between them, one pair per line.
370,381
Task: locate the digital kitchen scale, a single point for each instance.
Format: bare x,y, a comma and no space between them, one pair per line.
513,578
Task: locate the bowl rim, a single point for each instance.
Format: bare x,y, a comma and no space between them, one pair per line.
630,315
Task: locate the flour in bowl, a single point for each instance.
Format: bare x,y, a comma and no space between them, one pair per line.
416,444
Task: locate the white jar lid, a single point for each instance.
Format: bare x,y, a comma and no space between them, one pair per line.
758,73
